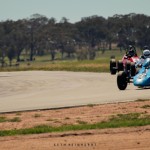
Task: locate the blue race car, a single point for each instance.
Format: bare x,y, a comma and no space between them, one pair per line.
142,78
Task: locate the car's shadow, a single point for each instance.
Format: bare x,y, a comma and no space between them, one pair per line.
143,88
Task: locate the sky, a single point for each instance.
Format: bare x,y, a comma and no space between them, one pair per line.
73,10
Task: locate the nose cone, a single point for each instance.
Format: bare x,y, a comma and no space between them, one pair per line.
141,80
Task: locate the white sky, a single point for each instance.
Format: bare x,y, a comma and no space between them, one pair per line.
73,10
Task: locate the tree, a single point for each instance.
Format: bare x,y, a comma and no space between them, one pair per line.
11,54
2,34
92,31
35,25
112,28
19,36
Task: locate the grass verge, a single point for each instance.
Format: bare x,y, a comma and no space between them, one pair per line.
100,64
77,66
4,119
121,120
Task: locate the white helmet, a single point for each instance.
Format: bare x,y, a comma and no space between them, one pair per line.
146,53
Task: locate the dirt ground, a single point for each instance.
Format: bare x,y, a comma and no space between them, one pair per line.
135,138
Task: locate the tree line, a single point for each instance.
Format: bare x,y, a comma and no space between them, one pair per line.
40,35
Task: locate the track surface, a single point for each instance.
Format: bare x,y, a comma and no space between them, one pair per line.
31,90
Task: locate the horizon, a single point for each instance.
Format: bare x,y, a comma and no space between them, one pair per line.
57,21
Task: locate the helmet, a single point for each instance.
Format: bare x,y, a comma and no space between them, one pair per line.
130,47
145,47
146,53
131,50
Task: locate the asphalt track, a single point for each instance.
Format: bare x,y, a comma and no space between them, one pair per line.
30,90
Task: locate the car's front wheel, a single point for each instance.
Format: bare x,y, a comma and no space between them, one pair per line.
122,80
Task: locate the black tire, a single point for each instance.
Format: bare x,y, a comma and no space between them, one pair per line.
120,65
133,69
113,66
122,80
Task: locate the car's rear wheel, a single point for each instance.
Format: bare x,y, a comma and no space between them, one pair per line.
122,80
113,66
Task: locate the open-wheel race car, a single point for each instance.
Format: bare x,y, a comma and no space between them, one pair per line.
140,79
121,65
128,60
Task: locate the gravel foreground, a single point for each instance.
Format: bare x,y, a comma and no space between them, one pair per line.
108,139
135,138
